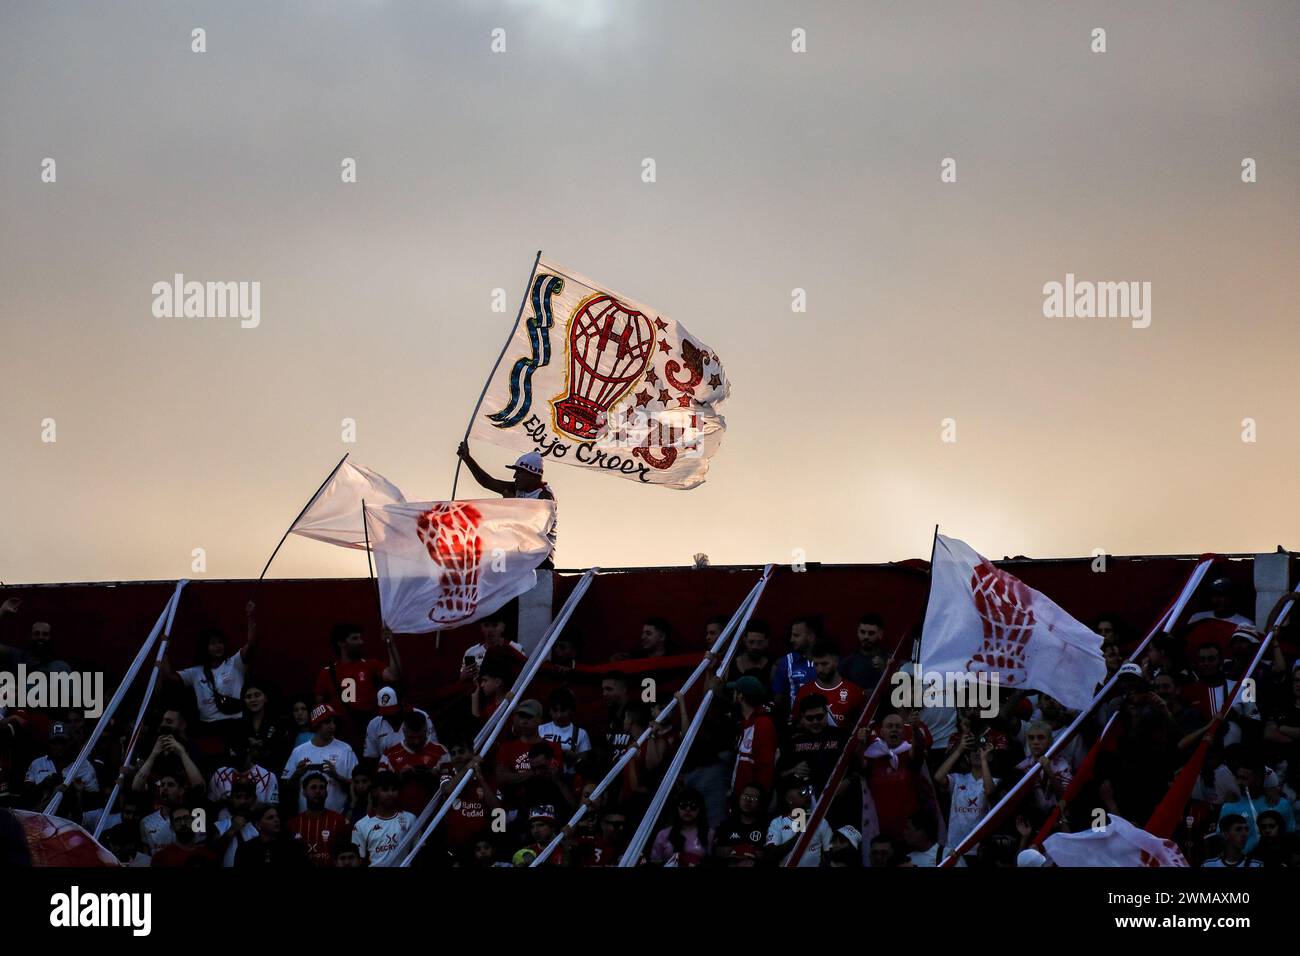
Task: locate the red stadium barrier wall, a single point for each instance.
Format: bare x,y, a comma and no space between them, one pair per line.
100,626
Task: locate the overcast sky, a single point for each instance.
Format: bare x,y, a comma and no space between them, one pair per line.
776,170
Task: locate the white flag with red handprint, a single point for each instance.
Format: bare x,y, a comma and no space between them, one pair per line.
594,379
1118,843
981,619
442,564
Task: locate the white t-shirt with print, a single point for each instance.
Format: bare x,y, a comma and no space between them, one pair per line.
566,737
376,838
380,735
42,767
345,761
267,784
969,804
783,831
229,678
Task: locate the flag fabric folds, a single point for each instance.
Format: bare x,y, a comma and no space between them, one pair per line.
334,515
597,380
1119,843
982,619
442,564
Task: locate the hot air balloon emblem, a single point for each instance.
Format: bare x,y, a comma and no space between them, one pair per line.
610,347
449,531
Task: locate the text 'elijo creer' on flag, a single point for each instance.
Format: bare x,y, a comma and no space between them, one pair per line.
981,619
594,379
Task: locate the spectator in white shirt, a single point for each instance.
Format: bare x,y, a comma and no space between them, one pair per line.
377,834
965,775
492,634
266,784
784,831
385,730
561,729
325,754
236,828
45,774
924,849
156,828
217,681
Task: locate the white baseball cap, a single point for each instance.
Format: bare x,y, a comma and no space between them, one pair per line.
1031,857
530,462
386,701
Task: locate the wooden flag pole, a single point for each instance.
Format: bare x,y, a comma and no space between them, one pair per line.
310,501
528,288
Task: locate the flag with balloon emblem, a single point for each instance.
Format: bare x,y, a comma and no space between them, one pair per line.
594,379
442,564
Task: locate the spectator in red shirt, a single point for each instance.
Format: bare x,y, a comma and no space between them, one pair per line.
415,761
756,750
642,771
843,699
187,849
892,760
319,830
470,817
514,762
490,690
352,681
541,827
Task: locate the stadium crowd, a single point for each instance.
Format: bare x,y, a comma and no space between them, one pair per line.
233,772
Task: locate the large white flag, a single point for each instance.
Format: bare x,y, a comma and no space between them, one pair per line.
597,380
334,515
982,619
442,564
1119,843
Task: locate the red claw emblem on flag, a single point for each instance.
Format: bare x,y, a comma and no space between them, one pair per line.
1003,603
449,531
610,347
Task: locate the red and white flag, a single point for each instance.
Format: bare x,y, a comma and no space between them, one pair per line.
442,564
1119,843
600,381
981,619
334,515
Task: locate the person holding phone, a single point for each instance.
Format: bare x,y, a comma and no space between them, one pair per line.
324,754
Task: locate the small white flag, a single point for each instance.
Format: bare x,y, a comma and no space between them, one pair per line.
1119,843
982,619
442,564
334,515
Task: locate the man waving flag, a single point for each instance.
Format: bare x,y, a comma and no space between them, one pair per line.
981,619
442,564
